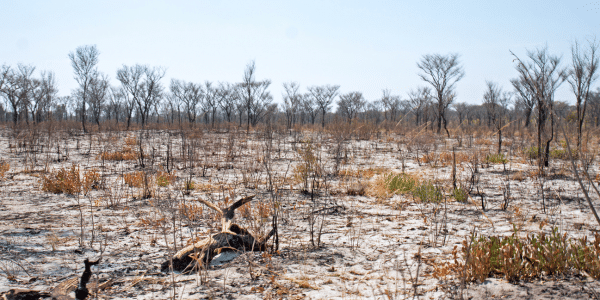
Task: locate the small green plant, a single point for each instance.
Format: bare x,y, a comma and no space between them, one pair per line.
400,183
562,153
461,194
428,192
164,178
189,185
516,258
497,158
531,152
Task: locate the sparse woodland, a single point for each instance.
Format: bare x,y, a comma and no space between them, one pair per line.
210,191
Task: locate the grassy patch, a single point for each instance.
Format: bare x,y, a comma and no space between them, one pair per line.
514,258
497,158
428,192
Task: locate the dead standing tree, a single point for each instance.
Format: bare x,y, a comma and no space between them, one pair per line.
323,96
542,76
231,237
442,72
84,61
142,84
496,104
582,75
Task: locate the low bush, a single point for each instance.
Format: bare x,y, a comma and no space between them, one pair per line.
497,158
461,194
164,178
531,152
428,192
400,183
64,180
563,154
515,258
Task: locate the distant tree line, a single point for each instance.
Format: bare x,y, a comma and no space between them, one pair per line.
143,98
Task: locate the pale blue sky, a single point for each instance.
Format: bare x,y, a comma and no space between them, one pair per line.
362,46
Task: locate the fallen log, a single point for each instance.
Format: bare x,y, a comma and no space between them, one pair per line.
232,237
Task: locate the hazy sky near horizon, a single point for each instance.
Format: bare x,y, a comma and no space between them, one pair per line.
364,46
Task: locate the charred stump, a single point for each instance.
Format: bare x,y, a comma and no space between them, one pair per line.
231,237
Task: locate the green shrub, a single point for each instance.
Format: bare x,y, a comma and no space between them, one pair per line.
531,152
497,158
562,153
516,258
427,192
461,194
400,183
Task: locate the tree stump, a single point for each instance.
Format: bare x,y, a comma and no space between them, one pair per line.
231,237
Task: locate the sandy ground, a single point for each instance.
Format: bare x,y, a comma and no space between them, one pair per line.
364,247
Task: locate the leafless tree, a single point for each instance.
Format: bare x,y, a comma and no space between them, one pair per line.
309,108
18,90
323,97
419,99
542,75
581,76
228,97
189,94
4,72
292,100
496,103
594,106
98,94
254,95
442,72
210,102
84,61
350,104
391,105
142,83
462,110
45,96
525,98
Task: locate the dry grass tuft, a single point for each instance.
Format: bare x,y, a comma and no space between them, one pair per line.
91,180
444,159
135,179
4,167
63,181
130,141
363,173
164,178
126,153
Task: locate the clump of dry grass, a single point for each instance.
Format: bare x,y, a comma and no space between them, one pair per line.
126,153
63,181
519,176
363,173
386,185
165,178
130,141
4,167
134,179
91,180
443,159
